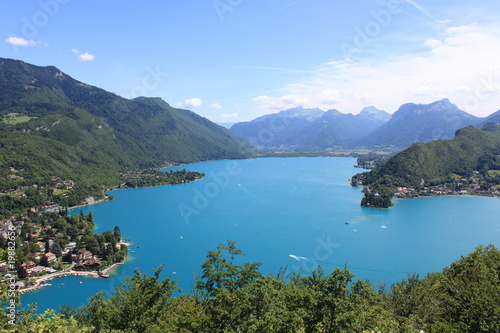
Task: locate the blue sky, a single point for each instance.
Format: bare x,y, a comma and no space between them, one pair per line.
234,60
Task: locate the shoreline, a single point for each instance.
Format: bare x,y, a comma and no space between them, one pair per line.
107,198
107,270
428,195
90,204
40,281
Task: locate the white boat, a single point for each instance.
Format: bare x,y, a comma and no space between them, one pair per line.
383,226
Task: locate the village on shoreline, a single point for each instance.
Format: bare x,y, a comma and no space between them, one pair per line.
48,243
40,281
44,242
473,184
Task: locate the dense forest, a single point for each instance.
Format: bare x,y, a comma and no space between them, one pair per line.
55,127
234,296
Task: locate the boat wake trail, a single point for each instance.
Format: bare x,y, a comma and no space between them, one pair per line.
297,257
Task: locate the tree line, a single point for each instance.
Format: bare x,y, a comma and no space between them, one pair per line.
234,296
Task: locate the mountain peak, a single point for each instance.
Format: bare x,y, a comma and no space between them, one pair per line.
370,110
334,112
374,113
444,105
421,123
297,112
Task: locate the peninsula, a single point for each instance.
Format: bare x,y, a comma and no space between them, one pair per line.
467,164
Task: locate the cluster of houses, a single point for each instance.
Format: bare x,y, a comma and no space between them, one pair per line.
406,192
5,225
84,259
63,184
56,181
458,188
29,268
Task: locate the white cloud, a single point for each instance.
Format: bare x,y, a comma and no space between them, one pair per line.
192,103
329,96
19,41
283,102
432,43
75,51
270,103
86,56
460,64
216,106
231,115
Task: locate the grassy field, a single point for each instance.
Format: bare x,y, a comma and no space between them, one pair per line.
494,173
14,119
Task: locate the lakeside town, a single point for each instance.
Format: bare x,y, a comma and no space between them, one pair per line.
40,240
476,183
40,246
46,242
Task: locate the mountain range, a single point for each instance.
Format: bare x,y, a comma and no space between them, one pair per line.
370,128
53,125
310,127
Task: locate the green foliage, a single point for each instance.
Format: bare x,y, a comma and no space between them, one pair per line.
47,322
435,163
220,273
230,297
13,119
162,178
135,306
74,131
470,292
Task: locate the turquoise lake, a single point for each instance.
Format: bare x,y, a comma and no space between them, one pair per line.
284,213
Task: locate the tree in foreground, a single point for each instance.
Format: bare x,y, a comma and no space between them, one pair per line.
233,296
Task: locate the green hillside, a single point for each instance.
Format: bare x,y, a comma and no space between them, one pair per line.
473,151
55,126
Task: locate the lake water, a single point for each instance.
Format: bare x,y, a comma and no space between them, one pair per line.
284,213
